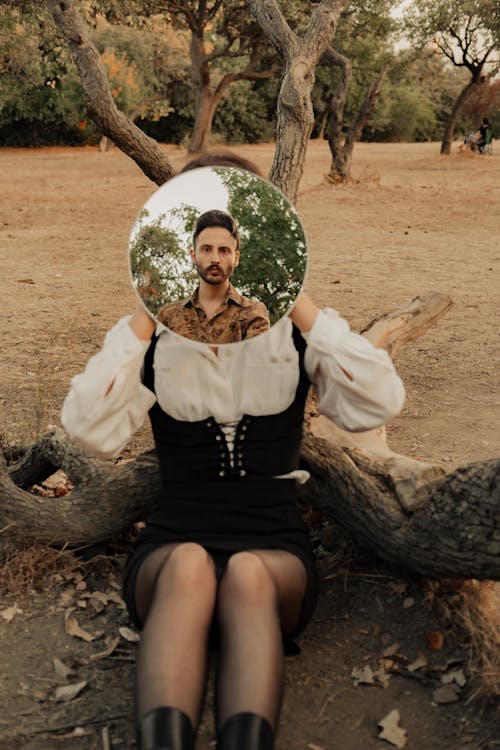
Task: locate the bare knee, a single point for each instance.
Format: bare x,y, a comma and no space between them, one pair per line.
247,583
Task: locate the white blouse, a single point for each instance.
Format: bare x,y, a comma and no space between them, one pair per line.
357,385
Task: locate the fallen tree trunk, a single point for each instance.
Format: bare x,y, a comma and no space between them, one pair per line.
405,511
409,513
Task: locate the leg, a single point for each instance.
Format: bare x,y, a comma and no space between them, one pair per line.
260,598
175,599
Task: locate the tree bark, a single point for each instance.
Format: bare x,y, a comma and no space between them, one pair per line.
341,152
99,103
337,105
301,56
407,512
107,499
208,98
200,71
449,128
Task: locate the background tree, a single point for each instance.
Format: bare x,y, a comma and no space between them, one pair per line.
467,34
485,102
41,97
99,100
220,32
361,49
301,54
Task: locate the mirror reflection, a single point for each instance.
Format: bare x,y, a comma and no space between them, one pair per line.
218,255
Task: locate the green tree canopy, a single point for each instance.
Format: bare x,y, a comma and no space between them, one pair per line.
159,263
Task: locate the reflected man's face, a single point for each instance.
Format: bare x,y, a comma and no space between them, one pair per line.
216,255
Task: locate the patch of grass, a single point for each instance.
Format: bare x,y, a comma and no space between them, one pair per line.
34,567
474,607
479,612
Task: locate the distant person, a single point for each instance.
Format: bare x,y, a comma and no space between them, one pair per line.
215,313
483,135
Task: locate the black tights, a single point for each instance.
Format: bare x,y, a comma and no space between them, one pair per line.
177,596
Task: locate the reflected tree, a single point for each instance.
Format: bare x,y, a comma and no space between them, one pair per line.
159,263
273,246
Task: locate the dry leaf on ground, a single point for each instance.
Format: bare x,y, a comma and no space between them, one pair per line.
76,732
435,640
418,663
399,588
9,613
446,693
105,598
391,650
457,675
391,731
72,627
129,634
382,677
61,669
112,643
69,692
363,676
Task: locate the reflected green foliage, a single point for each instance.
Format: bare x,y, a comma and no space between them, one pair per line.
160,264
273,246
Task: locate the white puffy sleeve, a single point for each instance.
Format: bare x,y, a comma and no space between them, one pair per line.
107,402
357,385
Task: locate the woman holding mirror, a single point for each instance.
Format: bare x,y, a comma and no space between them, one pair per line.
224,558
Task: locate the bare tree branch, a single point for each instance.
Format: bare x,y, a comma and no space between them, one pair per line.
99,102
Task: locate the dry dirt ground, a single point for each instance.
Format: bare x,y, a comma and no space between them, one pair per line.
410,221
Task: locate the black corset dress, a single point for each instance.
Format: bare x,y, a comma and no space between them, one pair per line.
223,502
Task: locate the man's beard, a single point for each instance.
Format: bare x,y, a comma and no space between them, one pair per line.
220,278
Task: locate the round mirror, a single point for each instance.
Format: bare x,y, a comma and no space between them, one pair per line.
218,255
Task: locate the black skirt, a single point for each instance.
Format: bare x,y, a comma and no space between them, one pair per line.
226,516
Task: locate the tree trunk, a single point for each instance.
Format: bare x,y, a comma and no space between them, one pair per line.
342,150
107,499
207,98
205,110
405,511
295,112
449,128
337,104
101,108
200,71
409,513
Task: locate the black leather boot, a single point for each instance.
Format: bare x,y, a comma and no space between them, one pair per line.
246,732
166,729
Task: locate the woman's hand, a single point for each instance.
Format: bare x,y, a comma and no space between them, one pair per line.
304,313
142,324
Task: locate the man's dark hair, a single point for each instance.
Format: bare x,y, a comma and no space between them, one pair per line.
216,218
